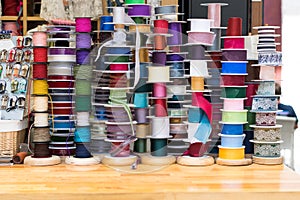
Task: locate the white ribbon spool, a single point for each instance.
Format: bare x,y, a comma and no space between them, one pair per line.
198,68
176,89
118,15
40,119
83,118
160,127
40,103
158,74
60,71
267,73
62,58
200,25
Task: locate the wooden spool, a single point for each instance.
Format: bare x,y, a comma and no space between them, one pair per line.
53,160
268,161
240,162
158,160
118,161
82,161
195,161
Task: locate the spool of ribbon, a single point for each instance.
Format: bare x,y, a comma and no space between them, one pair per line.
104,26
140,145
141,115
41,134
233,103
128,2
264,103
118,67
158,74
40,103
82,103
199,101
267,72
82,118
232,129
167,9
197,149
40,54
266,88
177,90
160,107
41,119
205,38
83,56
160,42
139,10
83,24
233,91
83,40
234,54
160,127
39,38
216,46
143,55
196,52
214,13
82,150
61,51
159,57
197,83
234,42
234,115
140,100
41,150
120,149
175,29
159,90
82,134
198,68
40,87
234,67
234,27
175,56
159,146
265,118
232,79
83,87
142,130
200,25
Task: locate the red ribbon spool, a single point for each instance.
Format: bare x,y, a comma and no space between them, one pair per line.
39,71
40,54
118,67
234,27
236,80
160,26
250,91
196,149
58,83
160,107
234,43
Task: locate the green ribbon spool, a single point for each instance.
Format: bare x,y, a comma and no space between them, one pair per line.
83,71
234,116
118,96
83,87
134,1
233,92
140,145
118,58
250,118
159,146
139,20
82,103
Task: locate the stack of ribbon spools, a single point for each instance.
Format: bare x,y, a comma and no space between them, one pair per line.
120,127
61,60
214,57
267,137
159,76
100,97
83,76
138,37
41,132
200,110
234,116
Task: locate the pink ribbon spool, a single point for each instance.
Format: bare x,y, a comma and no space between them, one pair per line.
201,37
234,43
233,103
159,90
123,153
160,107
161,26
214,13
118,67
232,79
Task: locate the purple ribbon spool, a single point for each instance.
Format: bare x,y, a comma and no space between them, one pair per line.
141,115
61,51
83,40
176,30
196,52
159,57
83,56
112,128
234,55
139,10
175,57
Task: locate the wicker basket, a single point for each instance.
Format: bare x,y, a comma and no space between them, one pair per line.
10,142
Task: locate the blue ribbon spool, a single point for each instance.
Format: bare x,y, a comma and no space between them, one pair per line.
82,150
238,67
144,70
232,140
104,26
140,100
63,124
195,115
175,57
176,65
232,129
159,146
118,50
61,97
176,73
82,134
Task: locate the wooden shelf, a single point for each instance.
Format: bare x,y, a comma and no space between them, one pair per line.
14,18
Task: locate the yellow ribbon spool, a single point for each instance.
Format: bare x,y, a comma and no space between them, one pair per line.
197,83
232,153
40,87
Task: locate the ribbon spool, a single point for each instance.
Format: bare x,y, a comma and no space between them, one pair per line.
159,90
140,145
104,26
216,45
176,90
141,28
122,151
40,87
234,42
143,55
41,134
231,153
237,67
158,146
267,73
234,54
82,118
61,51
175,56
175,29
159,57
196,52
200,25
83,71
205,38
266,88
158,74
128,2
197,83
232,128
233,91
160,127
41,150
233,103
160,107
82,134
83,87
140,100
82,103
265,103
83,56
117,50
234,27
214,13
39,38
139,10
232,79
40,103
142,130
82,150
160,42
198,149
198,68
234,115
141,115
265,118
40,54
41,119
83,40
83,24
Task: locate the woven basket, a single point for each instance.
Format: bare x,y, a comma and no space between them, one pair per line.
10,142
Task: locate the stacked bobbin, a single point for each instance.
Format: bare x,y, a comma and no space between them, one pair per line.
214,57
41,134
200,111
234,116
61,60
120,127
267,137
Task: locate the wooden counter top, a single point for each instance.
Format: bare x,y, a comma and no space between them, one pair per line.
171,182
